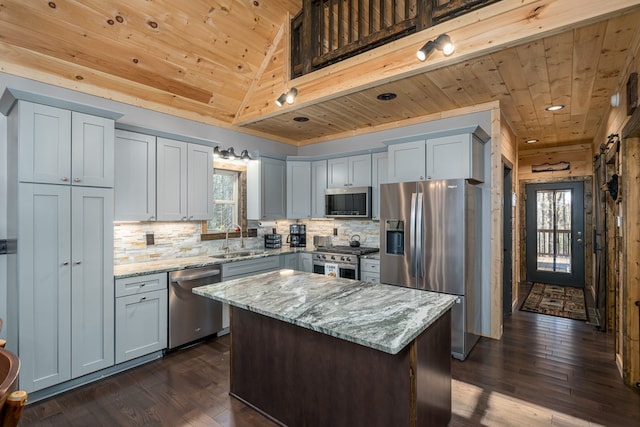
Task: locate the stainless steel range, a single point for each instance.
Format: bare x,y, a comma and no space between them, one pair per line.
340,261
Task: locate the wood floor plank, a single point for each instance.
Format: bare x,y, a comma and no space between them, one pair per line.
545,371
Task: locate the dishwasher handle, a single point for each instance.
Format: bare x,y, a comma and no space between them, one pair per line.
195,276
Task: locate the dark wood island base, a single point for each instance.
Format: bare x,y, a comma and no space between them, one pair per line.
299,377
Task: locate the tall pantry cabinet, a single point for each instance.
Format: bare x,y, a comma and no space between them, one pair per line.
60,211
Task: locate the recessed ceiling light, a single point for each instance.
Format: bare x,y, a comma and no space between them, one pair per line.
555,107
301,119
388,96
532,141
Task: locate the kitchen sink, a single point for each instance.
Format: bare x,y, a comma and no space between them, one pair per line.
232,255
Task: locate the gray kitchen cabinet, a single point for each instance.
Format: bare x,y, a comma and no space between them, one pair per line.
60,299
140,316
455,156
238,269
460,154
266,189
65,272
370,270
305,262
290,261
135,176
350,171
406,162
318,186
378,176
184,177
57,146
298,189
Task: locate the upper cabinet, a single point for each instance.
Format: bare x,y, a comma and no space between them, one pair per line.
58,146
266,189
298,189
456,156
406,162
349,171
459,155
184,181
378,176
135,179
318,185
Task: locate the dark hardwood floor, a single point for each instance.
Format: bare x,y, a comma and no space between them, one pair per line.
545,371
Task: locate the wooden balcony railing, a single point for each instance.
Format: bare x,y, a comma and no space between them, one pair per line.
548,246
328,31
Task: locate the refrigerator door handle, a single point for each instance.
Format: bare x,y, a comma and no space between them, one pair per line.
420,236
412,236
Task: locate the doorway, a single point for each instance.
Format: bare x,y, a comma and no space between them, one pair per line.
507,242
555,233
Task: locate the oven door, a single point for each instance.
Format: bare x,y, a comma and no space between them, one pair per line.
347,271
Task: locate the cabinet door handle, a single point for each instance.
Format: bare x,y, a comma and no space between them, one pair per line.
65,263
191,217
142,285
65,178
143,298
76,180
184,218
77,262
151,218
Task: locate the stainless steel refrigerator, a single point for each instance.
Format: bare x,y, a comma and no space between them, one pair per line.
430,237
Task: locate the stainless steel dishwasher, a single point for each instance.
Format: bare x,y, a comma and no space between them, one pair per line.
192,317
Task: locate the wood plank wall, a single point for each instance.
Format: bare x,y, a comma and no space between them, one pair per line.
623,270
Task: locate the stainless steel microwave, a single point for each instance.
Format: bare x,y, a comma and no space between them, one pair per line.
348,202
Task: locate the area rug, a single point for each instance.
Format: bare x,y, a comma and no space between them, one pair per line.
561,301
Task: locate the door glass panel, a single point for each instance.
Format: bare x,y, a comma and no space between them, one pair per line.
553,230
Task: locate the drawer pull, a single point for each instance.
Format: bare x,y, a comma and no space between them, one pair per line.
143,298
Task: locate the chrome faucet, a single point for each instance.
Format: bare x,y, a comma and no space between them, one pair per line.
226,237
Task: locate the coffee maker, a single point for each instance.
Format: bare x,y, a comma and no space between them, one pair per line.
297,236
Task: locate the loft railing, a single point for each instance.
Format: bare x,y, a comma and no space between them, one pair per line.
328,31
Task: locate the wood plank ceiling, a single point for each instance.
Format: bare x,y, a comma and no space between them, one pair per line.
212,60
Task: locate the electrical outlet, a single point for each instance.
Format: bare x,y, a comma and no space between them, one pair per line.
150,239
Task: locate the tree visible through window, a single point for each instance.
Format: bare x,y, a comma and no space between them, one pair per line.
226,196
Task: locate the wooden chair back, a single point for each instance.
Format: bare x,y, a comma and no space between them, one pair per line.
11,402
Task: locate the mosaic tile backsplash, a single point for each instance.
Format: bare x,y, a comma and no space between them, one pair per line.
182,239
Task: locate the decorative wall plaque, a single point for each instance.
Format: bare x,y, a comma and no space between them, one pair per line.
551,167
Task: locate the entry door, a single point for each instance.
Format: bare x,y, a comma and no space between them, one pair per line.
555,233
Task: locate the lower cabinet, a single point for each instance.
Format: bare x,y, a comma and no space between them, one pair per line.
370,270
305,262
289,261
141,316
64,293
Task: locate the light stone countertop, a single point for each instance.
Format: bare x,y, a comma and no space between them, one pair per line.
383,317
165,265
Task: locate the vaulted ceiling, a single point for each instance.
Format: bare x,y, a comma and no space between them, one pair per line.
224,62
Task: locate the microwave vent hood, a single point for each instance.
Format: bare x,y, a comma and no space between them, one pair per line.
348,202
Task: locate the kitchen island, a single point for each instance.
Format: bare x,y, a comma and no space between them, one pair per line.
308,349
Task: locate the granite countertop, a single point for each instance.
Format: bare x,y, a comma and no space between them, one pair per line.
383,317
165,265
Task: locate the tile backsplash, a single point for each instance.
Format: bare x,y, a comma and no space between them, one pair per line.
182,239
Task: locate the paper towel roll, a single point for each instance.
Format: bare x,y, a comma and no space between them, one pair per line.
266,224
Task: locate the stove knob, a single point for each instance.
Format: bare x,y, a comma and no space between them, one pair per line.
343,259
333,257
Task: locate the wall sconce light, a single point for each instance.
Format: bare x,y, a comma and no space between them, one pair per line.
442,43
287,97
230,154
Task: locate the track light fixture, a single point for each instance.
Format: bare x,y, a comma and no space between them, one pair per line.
281,100
287,97
442,43
230,154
